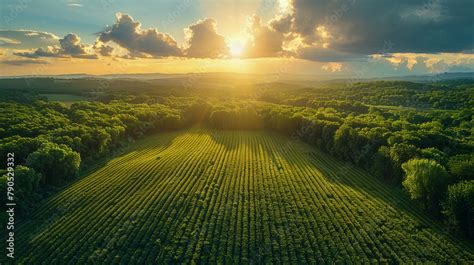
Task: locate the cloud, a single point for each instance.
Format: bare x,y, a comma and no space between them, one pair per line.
332,67
50,51
74,5
347,30
102,49
7,41
203,41
282,22
324,31
26,39
362,27
127,33
264,40
434,63
23,62
69,46
321,54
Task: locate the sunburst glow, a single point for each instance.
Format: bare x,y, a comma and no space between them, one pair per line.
236,47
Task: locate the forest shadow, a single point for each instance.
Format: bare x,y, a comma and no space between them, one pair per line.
331,169
374,188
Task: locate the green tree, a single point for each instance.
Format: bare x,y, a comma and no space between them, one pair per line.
21,146
426,181
462,167
459,206
434,154
56,162
26,181
399,154
382,165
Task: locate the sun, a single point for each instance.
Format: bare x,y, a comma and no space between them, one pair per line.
236,47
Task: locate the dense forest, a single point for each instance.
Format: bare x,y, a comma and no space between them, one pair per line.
416,137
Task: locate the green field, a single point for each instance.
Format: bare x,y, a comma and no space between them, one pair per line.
67,99
210,196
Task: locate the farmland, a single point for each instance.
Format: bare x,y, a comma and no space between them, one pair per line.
208,196
67,99
237,132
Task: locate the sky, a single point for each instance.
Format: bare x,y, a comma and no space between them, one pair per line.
337,38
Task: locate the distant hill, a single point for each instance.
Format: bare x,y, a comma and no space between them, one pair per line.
108,76
259,78
430,78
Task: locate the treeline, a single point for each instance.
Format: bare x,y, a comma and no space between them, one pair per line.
430,154
447,95
52,143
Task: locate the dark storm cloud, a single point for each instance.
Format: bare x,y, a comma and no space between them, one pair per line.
362,27
127,33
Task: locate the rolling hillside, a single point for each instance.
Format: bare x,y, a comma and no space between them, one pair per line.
211,196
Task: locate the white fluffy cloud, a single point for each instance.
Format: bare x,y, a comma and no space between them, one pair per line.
203,41
434,63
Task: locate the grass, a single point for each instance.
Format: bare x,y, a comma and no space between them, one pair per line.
67,99
209,196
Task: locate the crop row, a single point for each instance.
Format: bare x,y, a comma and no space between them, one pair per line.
231,197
